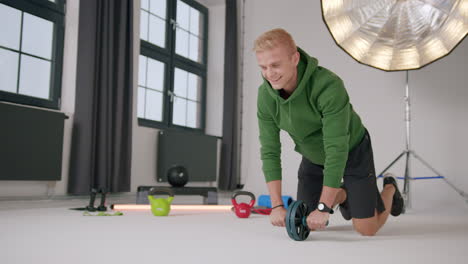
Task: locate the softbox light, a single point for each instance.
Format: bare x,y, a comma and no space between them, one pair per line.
395,35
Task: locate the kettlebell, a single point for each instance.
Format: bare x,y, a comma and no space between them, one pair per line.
242,210
160,206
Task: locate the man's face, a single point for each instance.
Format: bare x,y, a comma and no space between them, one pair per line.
278,66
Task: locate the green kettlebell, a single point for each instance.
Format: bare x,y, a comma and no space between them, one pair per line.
160,206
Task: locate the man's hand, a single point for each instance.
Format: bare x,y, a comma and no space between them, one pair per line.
317,220
278,216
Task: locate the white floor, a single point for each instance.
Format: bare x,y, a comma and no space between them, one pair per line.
47,232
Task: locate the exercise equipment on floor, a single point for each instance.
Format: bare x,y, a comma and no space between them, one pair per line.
265,201
263,210
90,207
86,213
243,210
177,176
296,221
160,206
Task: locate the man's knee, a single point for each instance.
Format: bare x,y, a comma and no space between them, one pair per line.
366,231
367,227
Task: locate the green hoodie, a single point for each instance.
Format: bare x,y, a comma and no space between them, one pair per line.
318,116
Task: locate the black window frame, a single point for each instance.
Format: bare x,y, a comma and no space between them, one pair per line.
171,59
54,12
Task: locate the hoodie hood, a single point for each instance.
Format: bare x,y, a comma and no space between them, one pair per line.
305,68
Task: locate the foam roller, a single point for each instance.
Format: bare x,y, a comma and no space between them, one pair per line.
264,200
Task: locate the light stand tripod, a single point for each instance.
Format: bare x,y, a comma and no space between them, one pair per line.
407,152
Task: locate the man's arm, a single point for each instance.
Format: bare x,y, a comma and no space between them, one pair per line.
328,196
334,105
278,214
333,102
270,153
274,188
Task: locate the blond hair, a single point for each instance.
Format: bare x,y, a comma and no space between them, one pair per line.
274,38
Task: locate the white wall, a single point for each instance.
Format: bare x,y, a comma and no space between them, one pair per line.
439,94
215,85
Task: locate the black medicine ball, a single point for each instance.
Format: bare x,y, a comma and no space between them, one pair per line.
177,176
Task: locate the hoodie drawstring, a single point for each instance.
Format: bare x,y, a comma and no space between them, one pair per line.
277,106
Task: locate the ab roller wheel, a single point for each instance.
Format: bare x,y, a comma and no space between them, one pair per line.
296,224
296,221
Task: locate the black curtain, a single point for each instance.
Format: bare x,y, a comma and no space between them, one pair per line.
229,170
102,123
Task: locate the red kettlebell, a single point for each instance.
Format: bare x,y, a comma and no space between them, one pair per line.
242,210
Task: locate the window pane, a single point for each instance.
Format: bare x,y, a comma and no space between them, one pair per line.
10,26
183,15
144,25
144,4
180,83
194,87
182,42
195,47
34,77
193,114
141,102
157,31
186,105
37,36
179,111
142,60
155,75
158,7
8,70
195,22
154,105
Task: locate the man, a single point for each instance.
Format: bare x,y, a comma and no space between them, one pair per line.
311,104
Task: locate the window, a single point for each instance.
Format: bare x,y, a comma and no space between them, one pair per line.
31,51
172,64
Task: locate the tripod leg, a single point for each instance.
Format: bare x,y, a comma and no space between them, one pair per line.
460,192
426,164
406,194
393,162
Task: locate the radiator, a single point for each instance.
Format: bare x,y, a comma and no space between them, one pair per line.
31,143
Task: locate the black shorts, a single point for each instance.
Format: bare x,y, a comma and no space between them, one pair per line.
359,181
